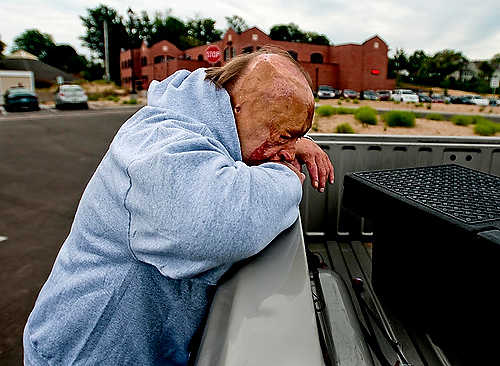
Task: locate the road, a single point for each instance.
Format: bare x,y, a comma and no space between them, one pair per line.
46,160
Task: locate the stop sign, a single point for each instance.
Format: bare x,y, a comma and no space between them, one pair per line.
212,54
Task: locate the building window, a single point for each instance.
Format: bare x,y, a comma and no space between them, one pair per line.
255,37
188,57
170,58
159,59
200,57
316,58
233,52
144,61
293,54
226,54
248,49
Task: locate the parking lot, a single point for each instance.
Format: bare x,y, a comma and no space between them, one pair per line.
46,160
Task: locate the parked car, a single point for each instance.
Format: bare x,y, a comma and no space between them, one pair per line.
437,98
69,95
384,94
348,93
369,95
405,95
494,102
20,99
479,100
326,91
424,98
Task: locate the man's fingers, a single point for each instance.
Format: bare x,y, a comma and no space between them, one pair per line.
312,168
332,172
299,174
323,173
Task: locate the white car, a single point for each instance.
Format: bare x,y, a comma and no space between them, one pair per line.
326,91
404,95
71,96
478,100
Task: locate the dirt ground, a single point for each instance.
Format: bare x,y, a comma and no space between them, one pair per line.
423,127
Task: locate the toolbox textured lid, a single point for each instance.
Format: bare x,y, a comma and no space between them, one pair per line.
467,195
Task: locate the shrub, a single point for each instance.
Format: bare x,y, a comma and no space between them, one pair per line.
481,109
485,127
429,106
355,101
435,117
419,105
462,120
130,101
325,110
339,102
93,96
446,101
366,115
344,128
399,119
343,110
397,102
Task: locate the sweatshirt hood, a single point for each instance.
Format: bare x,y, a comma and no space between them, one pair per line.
188,94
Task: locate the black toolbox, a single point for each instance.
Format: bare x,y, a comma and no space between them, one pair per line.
436,252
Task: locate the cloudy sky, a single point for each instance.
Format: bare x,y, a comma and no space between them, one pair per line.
471,27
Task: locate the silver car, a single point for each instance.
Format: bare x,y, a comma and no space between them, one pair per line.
71,96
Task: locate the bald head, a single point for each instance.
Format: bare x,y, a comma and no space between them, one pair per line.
273,106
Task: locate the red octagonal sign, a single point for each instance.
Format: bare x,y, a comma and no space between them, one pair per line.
212,54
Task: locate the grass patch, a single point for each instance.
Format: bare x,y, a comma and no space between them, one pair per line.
366,115
355,101
435,117
344,128
399,119
325,110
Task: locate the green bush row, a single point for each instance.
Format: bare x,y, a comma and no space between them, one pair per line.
130,101
435,117
344,128
399,119
486,127
366,115
328,110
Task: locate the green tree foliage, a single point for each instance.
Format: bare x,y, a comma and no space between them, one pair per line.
2,48
172,29
34,42
446,62
93,38
486,69
138,27
203,30
397,63
237,23
65,57
292,33
93,71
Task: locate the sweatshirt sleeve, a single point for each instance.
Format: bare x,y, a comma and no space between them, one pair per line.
192,208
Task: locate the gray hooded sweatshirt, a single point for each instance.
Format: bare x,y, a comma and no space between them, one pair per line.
169,209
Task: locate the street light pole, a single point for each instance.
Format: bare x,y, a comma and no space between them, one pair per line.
106,50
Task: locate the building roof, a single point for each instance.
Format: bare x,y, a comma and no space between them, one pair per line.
43,72
22,54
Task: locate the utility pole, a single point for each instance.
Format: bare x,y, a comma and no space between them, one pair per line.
106,50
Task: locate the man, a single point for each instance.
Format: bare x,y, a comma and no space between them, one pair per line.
205,175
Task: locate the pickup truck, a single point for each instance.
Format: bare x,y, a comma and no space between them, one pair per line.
308,298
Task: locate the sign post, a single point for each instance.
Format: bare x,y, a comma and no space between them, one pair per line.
213,54
494,84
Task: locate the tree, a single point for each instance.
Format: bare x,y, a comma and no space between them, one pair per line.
237,23
139,28
65,58
34,42
444,63
203,30
2,48
292,33
172,29
486,70
94,36
287,32
397,63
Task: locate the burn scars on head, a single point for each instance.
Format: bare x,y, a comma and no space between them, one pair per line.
274,100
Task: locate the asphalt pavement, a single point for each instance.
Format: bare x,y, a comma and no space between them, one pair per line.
46,160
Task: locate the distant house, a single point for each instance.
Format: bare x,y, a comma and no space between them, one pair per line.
44,74
347,66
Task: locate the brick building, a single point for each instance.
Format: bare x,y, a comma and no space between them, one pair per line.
348,66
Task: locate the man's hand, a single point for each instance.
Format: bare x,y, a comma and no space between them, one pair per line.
294,168
318,164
